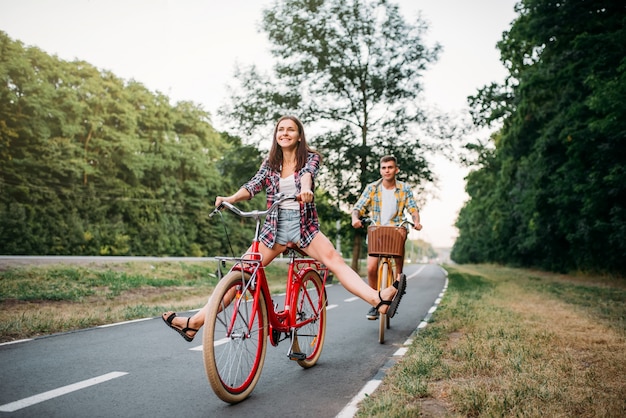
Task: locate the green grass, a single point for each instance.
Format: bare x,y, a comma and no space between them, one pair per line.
46,299
75,284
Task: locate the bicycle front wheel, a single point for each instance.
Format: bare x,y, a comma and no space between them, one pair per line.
385,277
235,338
310,319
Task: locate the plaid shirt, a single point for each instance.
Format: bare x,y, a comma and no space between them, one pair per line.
270,179
371,202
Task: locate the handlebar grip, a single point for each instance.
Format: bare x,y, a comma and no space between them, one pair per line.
216,210
213,212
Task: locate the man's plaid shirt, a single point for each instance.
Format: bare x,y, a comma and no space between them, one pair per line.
371,202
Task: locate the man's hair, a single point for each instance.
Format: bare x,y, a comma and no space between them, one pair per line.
388,158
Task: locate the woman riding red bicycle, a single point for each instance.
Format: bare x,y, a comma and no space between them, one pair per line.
291,168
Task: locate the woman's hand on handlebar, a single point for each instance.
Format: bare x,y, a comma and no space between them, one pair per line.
305,196
242,194
218,205
221,199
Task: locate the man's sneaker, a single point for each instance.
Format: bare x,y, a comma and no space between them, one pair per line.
372,314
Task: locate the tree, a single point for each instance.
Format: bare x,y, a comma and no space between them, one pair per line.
352,70
558,183
93,165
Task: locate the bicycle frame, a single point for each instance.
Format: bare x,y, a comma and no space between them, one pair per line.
279,321
386,271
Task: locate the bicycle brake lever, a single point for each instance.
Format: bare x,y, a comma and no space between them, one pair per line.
216,210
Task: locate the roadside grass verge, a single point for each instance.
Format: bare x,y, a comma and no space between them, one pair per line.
40,300
513,343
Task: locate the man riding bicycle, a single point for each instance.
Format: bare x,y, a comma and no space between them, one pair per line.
385,201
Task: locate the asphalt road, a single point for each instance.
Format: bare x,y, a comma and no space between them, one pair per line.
144,369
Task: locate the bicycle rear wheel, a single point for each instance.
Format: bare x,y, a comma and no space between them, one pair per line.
234,339
385,278
310,319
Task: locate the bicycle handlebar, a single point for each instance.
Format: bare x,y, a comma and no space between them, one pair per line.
371,221
255,213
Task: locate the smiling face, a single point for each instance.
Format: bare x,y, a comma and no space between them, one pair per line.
287,134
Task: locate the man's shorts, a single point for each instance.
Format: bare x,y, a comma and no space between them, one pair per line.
288,226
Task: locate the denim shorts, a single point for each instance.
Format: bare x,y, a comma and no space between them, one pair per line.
288,226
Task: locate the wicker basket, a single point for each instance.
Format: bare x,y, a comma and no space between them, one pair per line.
386,240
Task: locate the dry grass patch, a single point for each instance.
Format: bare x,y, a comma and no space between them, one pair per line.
502,344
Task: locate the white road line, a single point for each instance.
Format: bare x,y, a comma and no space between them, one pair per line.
135,320
215,344
124,323
415,273
220,342
32,400
351,299
16,341
351,409
401,351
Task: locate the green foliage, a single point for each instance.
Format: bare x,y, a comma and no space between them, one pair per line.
352,69
551,194
91,164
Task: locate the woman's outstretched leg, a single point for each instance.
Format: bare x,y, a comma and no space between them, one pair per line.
323,251
188,327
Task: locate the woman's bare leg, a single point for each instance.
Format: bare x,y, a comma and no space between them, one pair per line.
197,320
323,251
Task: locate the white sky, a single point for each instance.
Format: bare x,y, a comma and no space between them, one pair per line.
187,50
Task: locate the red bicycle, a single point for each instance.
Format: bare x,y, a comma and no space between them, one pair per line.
242,316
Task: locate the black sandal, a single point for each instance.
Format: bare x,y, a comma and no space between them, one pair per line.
182,332
399,284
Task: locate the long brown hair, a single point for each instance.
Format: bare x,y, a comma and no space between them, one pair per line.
302,151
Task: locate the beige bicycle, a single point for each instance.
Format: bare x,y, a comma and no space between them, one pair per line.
386,243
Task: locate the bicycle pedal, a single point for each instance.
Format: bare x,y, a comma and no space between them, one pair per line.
297,356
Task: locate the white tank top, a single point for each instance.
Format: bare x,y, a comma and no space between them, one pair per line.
389,205
287,185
